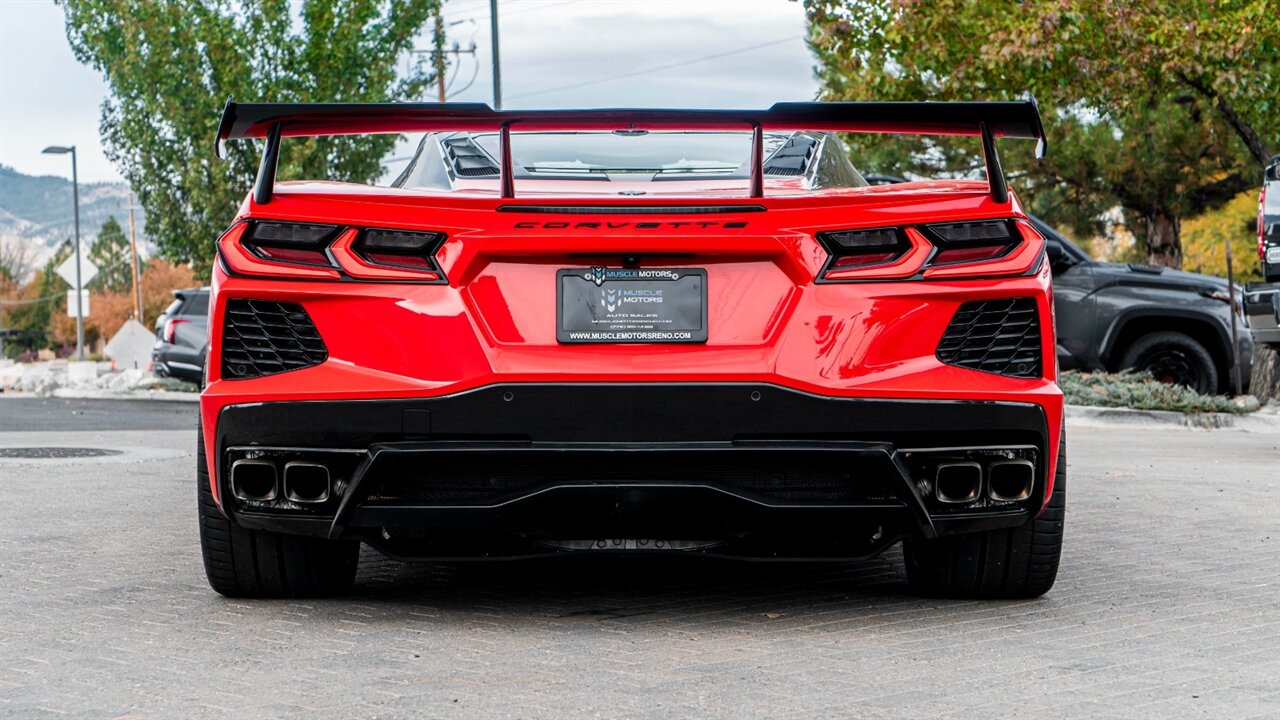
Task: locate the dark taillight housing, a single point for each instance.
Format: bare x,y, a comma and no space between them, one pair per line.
974,248
399,248
863,248
972,241
268,248
300,243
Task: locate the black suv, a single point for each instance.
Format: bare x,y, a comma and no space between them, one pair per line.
1174,324
1269,222
182,336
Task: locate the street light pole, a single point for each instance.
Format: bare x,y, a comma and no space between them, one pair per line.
75,193
497,64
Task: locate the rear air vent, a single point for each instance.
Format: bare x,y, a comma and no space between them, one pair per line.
996,336
260,337
468,159
792,158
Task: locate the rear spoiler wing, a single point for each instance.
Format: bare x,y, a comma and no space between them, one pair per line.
988,120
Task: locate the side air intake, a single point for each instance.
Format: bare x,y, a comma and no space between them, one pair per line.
261,337
995,336
792,158
468,159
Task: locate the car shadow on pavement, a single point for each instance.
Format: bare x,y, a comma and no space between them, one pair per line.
614,586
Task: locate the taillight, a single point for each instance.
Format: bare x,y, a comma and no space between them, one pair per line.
171,329
860,248
300,243
961,249
970,241
377,254
327,252
1262,225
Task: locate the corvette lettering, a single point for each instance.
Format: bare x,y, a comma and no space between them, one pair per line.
627,225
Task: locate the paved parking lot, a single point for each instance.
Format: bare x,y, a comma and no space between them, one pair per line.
1168,605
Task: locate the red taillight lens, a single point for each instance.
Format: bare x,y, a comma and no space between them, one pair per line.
1262,225
308,251
171,329
299,243
943,250
961,255
391,255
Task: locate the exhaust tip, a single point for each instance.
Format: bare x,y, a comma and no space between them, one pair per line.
958,482
306,482
1010,480
253,480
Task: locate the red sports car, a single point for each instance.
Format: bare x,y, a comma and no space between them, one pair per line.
631,331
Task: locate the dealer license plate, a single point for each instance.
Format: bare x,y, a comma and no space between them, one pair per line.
631,305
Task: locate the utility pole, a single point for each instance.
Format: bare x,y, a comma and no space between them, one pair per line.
133,245
497,64
439,54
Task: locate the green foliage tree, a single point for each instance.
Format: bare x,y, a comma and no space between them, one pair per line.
171,64
1155,109
112,255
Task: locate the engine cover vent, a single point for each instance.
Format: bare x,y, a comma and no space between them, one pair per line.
262,337
995,336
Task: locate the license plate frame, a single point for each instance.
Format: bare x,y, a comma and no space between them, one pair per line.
618,306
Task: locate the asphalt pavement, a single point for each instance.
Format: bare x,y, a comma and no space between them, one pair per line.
1167,606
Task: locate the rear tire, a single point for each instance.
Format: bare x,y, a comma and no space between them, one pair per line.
244,563
998,564
1173,358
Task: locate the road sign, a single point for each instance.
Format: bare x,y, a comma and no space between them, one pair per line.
67,271
131,346
71,302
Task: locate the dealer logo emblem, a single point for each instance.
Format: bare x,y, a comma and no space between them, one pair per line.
595,275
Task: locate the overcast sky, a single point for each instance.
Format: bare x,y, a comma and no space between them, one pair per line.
555,53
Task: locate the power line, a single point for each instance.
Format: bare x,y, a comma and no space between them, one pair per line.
505,14
656,68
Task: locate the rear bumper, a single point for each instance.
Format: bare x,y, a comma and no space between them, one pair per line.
737,468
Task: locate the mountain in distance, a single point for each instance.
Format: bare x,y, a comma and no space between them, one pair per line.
38,210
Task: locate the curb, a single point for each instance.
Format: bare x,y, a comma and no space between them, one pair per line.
1262,421
145,395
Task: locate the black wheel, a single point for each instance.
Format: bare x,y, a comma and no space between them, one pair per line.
260,564
998,564
1173,358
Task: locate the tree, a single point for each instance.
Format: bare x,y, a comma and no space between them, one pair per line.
17,259
1154,111
171,64
112,254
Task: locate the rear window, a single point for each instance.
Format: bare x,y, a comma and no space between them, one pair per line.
196,305
661,153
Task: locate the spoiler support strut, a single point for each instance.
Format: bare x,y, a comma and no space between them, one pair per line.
995,175
265,185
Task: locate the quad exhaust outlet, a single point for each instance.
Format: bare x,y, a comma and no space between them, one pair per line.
998,479
306,482
254,480
958,482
